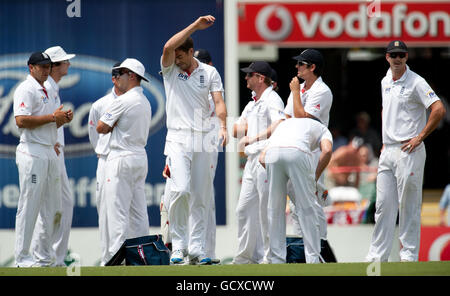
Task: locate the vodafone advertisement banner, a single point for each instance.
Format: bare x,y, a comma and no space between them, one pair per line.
434,244
343,23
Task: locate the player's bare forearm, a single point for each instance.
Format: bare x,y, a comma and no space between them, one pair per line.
326,148
266,133
176,40
103,128
221,111
31,122
240,130
437,113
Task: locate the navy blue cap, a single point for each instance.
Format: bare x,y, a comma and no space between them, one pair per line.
396,46
260,67
310,56
39,58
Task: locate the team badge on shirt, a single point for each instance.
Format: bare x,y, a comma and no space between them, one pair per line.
183,76
44,99
202,81
431,94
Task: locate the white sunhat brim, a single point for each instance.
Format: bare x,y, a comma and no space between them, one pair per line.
133,70
63,58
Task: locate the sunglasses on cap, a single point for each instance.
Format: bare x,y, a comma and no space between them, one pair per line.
394,55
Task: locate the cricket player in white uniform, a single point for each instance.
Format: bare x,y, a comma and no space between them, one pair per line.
406,97
289,156
265,108
60,65
100,143
128,119
38,117
210,249
311,99
188,83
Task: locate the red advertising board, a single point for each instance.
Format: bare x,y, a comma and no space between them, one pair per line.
434,244
335,23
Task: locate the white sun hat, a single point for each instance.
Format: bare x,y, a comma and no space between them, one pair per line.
57,54
134,66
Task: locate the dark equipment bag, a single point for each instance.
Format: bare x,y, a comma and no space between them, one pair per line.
296,250
144,250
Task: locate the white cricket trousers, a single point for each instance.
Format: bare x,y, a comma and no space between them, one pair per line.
40,187
61,240
211,225
187,202
208,187
251,210
321,202
285,164
124,198
101,208
399,189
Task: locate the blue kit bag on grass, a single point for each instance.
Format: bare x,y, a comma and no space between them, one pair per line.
144,250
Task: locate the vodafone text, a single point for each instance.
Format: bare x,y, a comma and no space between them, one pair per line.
225,286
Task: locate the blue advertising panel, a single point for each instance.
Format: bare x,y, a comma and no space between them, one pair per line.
100,33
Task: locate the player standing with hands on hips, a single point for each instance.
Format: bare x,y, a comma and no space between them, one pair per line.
188,83
406,97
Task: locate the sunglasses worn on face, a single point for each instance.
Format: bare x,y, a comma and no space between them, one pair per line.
122,72
249,75
394,55
299,63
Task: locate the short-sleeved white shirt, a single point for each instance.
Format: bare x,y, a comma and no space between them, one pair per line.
53,92
316,101
187,104
404,106
260,115
304,134
30,99
132,113
100,142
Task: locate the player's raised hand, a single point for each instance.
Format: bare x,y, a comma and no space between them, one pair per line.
295,84
204,22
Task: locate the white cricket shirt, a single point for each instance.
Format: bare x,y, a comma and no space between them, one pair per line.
132,113
260,115
187,104
53,92
404,106
100,142
30,99
316,100
304,134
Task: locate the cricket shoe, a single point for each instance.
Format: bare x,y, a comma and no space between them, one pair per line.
178,257
200,261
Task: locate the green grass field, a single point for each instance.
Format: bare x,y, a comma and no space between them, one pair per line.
330,269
